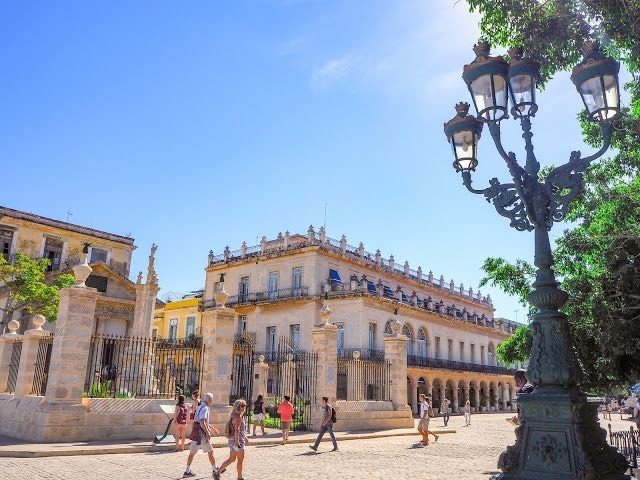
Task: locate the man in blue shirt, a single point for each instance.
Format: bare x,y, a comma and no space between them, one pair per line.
327,425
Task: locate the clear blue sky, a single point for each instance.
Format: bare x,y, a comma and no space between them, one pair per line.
200,124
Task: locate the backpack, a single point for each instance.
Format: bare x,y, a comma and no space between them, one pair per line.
430,412
181,418
333,415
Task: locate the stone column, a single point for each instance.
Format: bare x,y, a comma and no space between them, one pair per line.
466,393
324,343
395,351
261,376
443,393
6,348
72,342
455,400
414,398
217,336
477,398
27,368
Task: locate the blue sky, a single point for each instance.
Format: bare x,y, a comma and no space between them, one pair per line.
200,124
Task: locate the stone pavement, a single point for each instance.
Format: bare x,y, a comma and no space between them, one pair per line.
470,453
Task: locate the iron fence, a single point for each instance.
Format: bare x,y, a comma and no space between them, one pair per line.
138,367
43,360
628,444
363,354
359,379
421,361
16,351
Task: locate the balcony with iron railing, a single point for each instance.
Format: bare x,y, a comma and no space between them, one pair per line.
363,354
374,260
429,362
262,297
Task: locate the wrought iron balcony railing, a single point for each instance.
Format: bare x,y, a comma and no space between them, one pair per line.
365,353
260,297
420,361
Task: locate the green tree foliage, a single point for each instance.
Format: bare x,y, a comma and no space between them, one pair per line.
598,258
518,348
24,285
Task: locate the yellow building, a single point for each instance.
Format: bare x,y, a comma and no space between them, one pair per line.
177,319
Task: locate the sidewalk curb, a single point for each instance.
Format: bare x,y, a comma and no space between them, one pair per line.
169,448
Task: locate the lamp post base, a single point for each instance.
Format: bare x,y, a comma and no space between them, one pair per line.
560,439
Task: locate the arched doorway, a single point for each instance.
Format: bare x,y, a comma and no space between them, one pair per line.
484,397
474,395
462,394
436,388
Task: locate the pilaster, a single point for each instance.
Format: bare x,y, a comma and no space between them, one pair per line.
217,335
395,351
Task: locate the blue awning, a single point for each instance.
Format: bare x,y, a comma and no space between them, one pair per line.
371,287
334,277
388,292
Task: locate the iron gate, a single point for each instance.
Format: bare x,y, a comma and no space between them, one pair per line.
43,359
292,373
242,362
16,351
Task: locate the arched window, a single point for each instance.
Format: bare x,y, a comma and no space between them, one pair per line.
422,343
406,331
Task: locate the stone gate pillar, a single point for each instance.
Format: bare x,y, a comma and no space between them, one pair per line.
6,348
476,392
30,346
72,341
395,351
217,336
325,345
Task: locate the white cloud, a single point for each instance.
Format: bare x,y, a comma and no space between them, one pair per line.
332,71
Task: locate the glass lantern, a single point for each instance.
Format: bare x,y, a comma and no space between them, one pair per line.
524,75
596,79
463,132
486,78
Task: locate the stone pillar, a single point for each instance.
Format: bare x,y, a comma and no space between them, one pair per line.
261,373
288,374
6,348
466,393
27,368
395,351
146,294
455,400
414,398
217,336
71,343
325,343
443,394
477,398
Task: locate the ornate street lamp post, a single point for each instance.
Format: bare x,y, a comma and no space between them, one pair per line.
559,436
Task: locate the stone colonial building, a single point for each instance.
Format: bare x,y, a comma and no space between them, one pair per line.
276,289
62,243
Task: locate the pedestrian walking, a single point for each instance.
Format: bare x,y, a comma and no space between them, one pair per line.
235,431
259,413
328,419
467,413
524,387
286,410
180,416
201,434
444,410
426,412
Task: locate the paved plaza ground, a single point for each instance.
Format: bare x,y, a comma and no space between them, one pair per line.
470,453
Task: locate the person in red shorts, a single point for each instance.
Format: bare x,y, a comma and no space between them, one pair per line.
285,409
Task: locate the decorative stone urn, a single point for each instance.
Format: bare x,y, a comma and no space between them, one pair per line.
13,325
220,295
38,321
82,272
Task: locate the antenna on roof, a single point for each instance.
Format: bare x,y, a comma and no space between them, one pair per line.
325,216
69,214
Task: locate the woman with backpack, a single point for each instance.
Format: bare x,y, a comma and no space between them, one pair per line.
180,421
259,413
235,430
426,413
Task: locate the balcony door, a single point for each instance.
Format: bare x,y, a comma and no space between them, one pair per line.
296,283
274,279
243,289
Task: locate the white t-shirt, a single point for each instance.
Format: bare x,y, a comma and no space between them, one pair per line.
202,413
424,408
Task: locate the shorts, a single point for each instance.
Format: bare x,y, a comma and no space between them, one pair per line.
258,417
423,424
234,448
206,447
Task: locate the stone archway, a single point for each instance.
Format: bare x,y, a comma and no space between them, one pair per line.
463,394
451,393
484,396
493,396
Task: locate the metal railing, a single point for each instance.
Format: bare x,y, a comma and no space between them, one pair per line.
16,352
365,354
420,361
258,297
43,360
628,444
363,379
137,367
